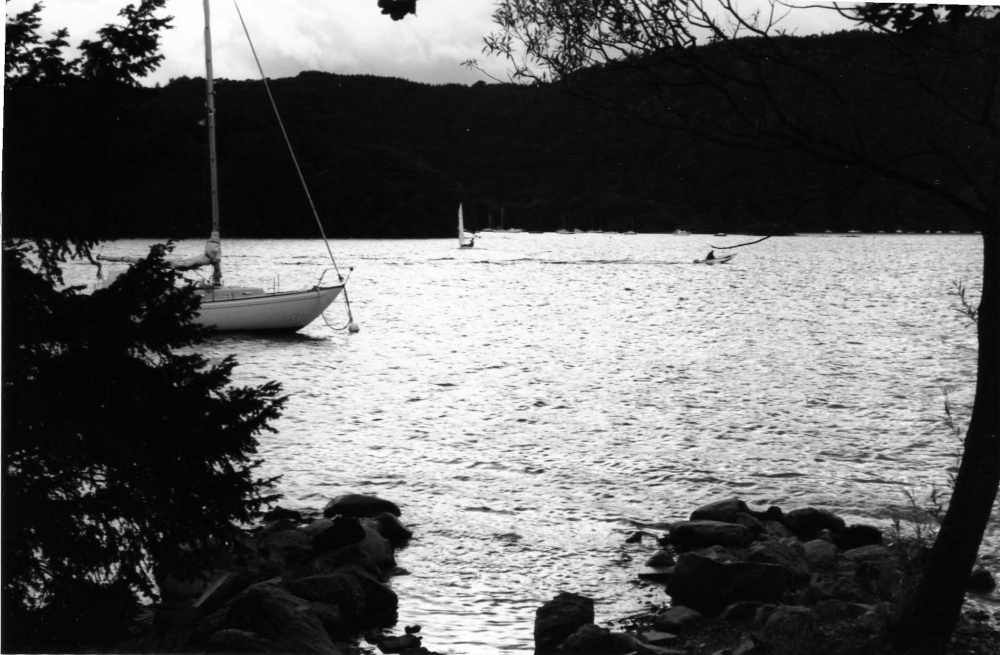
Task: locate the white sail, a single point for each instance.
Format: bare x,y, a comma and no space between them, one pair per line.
462,235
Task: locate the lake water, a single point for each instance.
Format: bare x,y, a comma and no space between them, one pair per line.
531,402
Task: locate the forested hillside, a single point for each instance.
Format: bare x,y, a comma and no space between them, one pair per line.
389,158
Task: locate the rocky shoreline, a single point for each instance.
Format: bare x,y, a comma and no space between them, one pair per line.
739,581
295,584
745,582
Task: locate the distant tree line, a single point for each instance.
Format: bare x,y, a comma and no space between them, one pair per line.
388,158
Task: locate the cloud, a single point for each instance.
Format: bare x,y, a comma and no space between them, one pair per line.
339,36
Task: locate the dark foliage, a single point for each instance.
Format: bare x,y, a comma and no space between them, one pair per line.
122,448
124,451
398,9
390,158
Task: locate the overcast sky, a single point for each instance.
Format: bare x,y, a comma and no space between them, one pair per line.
338,36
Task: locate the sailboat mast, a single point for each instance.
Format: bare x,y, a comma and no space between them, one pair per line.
210,108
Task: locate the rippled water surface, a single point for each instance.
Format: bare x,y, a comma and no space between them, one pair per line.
532,401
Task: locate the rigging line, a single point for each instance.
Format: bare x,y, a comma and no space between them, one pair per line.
287,141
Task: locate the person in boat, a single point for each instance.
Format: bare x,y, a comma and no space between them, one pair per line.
710,255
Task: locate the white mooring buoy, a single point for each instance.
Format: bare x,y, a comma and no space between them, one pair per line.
353,327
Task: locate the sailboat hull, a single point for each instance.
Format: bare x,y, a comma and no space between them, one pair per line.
238,309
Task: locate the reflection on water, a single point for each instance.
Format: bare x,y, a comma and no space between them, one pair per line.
532,401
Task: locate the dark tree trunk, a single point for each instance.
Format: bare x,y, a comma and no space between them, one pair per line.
939,597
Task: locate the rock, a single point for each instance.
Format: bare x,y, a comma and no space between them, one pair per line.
240,641
833,609
281,617
559,618
880,575
755,526
855,536
285,550
634,538
777,529
390,527
868,553
280,513
658,638
878,618
806,523
781,554
363,600
276,526
593,640
747,645
412,629
981,581
377,547
819,552
825,586
654,649
175,588
359,506
656,573
332,619
725,511
706,585
788,630
687,535
331,534
398,644
677,619
741,610
661,558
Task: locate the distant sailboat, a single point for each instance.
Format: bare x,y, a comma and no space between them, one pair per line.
462,235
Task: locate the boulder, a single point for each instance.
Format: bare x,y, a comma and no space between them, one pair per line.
281,617
284,550
661,558
240,641
741,610
825,586
781,554
363,601
820,553
398,644
707,585
832,610
981,581
868,554
677,619
657,638
359,506
687,535
279,525
807,523
559,618
390,527
331,534
658,574
787,630
332,619
856,536
756,526
593,640
279,513
725,511
776,529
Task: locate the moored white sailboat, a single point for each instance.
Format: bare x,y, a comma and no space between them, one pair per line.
224,308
